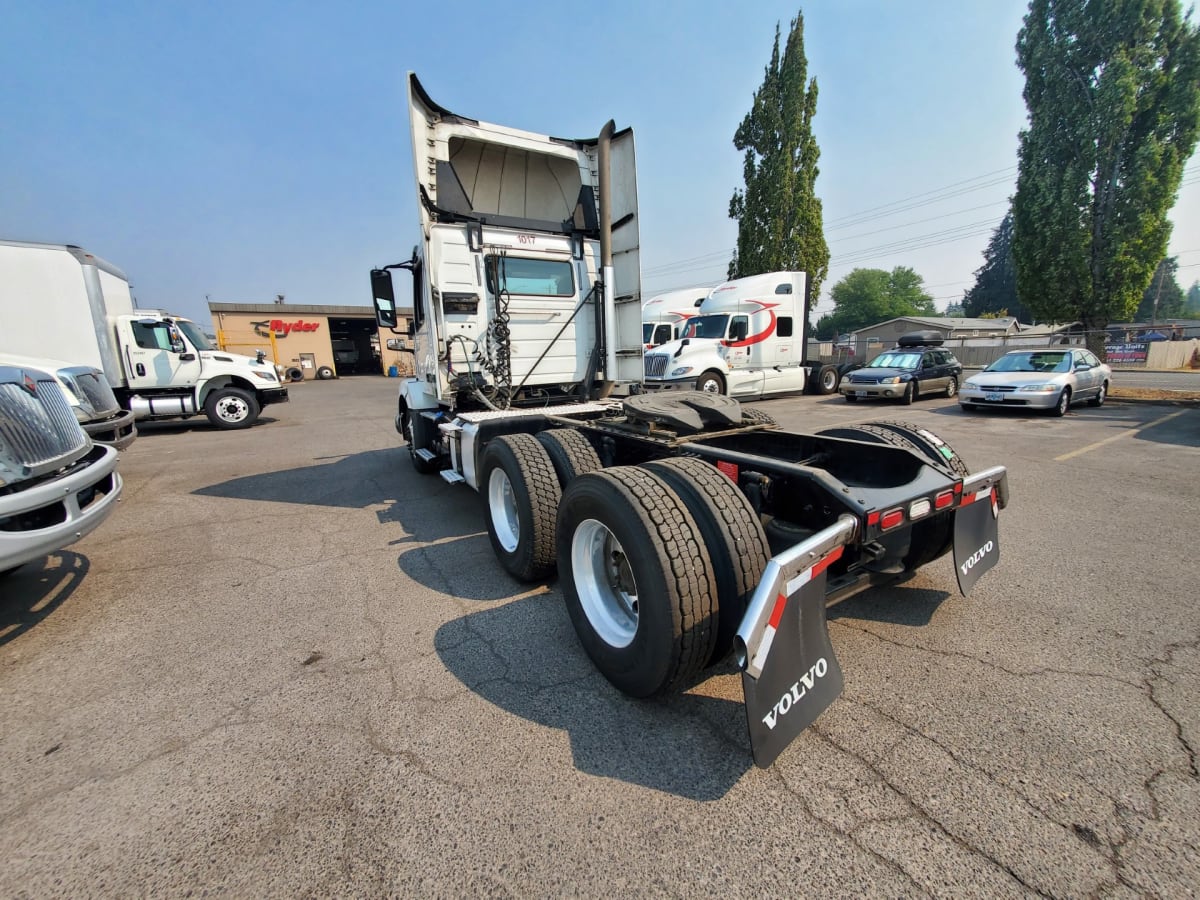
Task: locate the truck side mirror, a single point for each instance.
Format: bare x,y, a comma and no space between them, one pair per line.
385,298
739,330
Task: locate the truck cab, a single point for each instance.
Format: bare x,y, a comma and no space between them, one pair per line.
515,302
664,315
746,340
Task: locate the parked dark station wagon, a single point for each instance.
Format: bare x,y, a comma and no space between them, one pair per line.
916,366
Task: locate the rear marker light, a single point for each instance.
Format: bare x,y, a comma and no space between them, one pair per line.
891,519
873,518
919,508
944,499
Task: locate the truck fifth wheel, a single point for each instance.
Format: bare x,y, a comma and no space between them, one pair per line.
683,528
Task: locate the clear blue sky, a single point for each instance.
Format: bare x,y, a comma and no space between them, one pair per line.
241,150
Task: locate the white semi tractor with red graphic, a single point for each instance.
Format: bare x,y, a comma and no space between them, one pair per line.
664,315
747,339
682,527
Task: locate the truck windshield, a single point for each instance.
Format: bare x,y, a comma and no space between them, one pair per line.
705,327
647,332
194,335
532,277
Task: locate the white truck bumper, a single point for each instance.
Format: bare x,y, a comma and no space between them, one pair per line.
56,514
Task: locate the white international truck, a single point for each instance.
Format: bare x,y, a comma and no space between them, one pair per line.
56,485
59,301
664,315
747,338
682,526
90,396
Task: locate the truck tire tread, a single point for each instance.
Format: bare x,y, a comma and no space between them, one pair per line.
673,570
537,494
570,453
752,416
732,532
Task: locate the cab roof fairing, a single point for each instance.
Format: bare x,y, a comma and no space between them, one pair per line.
417,91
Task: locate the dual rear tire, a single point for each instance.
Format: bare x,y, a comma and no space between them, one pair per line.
657,562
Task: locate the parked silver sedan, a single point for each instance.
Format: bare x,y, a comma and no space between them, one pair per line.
1047,378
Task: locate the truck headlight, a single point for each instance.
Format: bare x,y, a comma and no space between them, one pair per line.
265,376
682,370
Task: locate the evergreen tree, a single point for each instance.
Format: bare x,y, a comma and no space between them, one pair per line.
995,285
1164,297
1191,308
778,212
1113,94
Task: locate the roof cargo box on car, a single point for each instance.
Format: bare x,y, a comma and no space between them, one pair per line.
921,339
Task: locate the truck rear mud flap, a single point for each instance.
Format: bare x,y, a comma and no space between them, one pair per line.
790,674
977,526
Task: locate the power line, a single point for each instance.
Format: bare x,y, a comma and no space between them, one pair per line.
922,221
950,190
678,267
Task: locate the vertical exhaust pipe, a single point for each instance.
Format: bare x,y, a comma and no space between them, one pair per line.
609,318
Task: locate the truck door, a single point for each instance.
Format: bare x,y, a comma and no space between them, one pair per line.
156,355
536,297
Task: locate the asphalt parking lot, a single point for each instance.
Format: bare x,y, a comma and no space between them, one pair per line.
289,665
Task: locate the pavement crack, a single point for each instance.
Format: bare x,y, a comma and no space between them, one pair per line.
991,664
1157,676
918,810
848,835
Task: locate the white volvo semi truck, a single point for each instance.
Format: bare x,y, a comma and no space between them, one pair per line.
682,526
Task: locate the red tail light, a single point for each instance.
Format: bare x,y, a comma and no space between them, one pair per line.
891,519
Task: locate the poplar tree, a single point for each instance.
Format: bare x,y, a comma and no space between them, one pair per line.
1113,93
778,212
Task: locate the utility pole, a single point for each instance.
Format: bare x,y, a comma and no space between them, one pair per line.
1157,294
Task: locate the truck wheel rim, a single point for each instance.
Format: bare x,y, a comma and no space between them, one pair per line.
710,386
232,409
605,583
502,504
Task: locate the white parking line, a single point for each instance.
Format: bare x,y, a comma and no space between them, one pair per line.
1117,437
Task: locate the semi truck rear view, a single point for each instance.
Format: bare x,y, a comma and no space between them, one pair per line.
61,302
682,526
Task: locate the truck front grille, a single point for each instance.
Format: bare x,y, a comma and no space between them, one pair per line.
96,391
656,364
39,427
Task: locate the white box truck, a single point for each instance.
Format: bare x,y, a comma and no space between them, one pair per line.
59,301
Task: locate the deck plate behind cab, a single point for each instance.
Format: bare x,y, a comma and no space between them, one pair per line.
685,411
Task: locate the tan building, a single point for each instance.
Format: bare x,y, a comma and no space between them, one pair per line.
311,341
